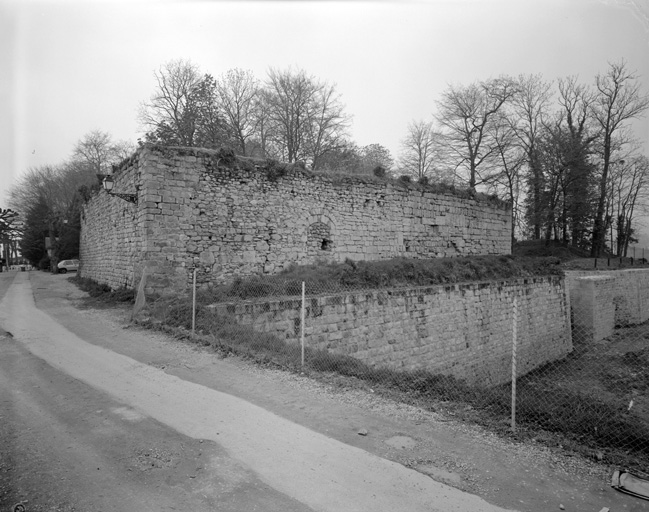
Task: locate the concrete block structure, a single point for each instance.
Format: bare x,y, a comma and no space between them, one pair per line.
603,300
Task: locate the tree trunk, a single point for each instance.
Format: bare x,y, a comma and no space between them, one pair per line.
54,260
599,228
627,236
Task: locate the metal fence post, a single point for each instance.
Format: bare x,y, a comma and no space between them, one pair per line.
194,303
302,325
514,343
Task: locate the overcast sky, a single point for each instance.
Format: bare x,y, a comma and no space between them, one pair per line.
69,67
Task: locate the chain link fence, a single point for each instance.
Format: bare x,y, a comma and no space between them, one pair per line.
564,360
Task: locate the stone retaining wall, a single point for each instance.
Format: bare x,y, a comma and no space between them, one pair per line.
464,330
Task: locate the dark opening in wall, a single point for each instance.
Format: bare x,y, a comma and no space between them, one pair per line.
319,239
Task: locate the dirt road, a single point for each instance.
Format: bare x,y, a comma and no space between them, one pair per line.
67,447
297,463
81,392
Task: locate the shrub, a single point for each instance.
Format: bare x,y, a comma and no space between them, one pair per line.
226,156
379,171
246,164
104,292
44,264
274,169
377,274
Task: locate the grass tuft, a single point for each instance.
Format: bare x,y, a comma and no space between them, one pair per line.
396,272
103,291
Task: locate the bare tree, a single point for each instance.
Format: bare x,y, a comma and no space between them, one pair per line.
529,111
33,184
96,151
261,144
304,117
328,124
123,149
376,155
512,159
618,100
289,98
346,159
53,192
183,110
420,151
628,184
238,93
464,113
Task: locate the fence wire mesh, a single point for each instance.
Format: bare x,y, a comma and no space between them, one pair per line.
476,351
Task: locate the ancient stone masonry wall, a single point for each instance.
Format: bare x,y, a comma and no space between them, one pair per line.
256,225
464,330
111,233
238,219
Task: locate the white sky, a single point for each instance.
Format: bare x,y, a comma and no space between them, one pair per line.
69,67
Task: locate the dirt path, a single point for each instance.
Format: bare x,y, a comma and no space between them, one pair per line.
507,474
67,447
307,466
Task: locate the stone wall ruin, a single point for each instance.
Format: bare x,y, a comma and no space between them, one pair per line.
236,217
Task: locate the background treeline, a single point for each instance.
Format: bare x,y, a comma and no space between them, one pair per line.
563,153
289,117
49,198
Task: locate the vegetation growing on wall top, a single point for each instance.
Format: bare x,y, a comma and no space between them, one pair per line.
397,272
275,170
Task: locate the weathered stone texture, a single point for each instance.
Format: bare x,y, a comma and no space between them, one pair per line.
464,330
195,212
111,235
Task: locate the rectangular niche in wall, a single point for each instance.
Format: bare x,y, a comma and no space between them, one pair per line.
318,239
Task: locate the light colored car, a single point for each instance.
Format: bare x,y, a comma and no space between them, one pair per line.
68,266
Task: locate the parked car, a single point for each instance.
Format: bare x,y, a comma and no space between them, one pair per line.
68,266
